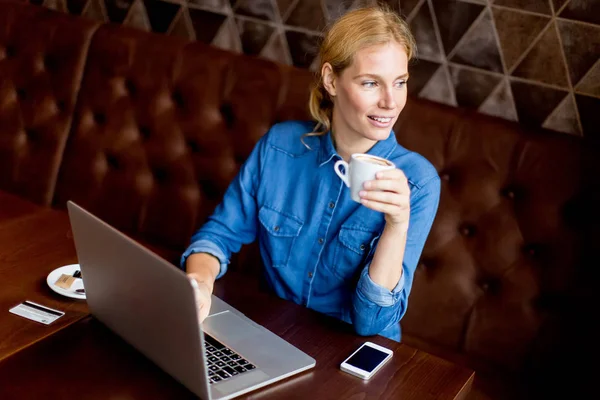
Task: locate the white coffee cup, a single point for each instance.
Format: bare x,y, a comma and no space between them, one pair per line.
362,168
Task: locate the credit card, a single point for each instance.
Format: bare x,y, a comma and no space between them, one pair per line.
36,312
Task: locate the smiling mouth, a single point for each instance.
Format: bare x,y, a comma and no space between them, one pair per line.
383,120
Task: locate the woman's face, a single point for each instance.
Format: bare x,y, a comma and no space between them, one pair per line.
369,95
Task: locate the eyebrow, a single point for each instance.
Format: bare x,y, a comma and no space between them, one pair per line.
403,76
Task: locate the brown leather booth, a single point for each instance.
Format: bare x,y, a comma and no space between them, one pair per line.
147,131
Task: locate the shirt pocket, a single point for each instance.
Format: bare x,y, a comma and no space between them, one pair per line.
351,250
278,235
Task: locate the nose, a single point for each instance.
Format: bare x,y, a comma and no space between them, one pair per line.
387,99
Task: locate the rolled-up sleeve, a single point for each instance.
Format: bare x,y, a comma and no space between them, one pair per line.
234,221
376,309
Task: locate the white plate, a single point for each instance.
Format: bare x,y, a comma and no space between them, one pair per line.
68,270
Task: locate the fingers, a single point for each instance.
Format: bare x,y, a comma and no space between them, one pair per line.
392,198
392,181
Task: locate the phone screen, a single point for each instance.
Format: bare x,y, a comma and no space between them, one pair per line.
367,358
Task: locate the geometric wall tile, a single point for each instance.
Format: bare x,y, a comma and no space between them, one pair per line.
590,84
564,118
210,5
253,35
544,62
284,6
538,6
137,17
421,72
58,5
534,103
516,31
581,44
161,14
583,10
407,7
227,38
95,10
589,115
307,14
472,87
303,47
76,6
438,88
117,10
182,26
479,47
276,49
206,24
558,4
334,8
261,9
421,25
454,19
500,103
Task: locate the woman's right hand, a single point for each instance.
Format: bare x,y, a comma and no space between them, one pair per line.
203,294
203,269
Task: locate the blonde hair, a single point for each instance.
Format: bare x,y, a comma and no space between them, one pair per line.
354,31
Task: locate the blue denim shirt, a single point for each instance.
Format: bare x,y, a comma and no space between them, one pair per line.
315,241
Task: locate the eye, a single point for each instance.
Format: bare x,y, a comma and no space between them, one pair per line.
369,84
401,84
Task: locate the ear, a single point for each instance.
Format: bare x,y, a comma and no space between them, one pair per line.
329,79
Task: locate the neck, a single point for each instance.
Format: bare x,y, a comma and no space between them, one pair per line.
347,144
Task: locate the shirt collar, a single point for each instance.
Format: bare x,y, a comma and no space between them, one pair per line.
382,148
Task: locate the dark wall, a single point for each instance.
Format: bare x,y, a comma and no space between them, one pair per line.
532,61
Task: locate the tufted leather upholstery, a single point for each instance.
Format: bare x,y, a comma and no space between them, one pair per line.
506,283
509,256
40,72
162,127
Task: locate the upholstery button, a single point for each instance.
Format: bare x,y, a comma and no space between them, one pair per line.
10,52
31,134
193,146
531,250
508,193
445,176
112,161
276,228
467,230
49,62
160,174
130,86
331,205
227,112
21,94
362,246
145,132
485,286
99,118
177,98
321,240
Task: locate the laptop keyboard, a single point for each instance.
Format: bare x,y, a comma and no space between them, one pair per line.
223,363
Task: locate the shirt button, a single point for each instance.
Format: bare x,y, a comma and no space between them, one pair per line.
362,246
310,274
276,229
321,240
331,205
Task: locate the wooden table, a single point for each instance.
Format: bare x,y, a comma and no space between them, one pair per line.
13,207
80,357
31,247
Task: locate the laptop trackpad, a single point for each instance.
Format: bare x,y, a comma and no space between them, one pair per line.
230,329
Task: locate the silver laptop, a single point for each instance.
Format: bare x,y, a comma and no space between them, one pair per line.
151,305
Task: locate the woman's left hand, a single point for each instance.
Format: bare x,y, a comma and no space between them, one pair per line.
389,193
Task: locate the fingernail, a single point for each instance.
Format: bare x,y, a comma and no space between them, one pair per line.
362,193
367,185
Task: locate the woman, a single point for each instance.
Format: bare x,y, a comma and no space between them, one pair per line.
354,261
